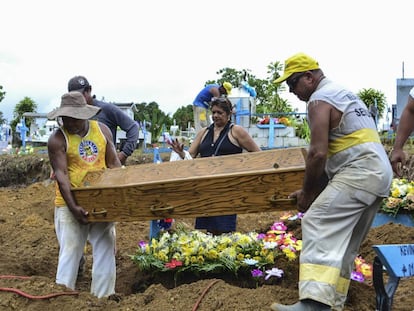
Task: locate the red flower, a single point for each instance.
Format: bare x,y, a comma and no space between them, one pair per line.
173,264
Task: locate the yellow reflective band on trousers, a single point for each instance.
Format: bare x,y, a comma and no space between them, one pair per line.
353,139
343,286
319,273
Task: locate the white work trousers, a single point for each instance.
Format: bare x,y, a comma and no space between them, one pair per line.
332,231
72,237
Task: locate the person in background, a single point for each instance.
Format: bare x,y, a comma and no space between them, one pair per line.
347,175
200,103
81,145
373,110
222,137
111,115
404,130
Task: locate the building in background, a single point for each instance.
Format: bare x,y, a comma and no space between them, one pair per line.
404,85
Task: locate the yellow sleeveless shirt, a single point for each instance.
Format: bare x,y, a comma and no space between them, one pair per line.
83,154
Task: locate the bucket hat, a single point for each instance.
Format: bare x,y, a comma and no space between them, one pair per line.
73,104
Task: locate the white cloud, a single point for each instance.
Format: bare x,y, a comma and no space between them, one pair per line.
164,51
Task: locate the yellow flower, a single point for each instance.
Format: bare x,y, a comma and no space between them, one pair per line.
184,239
229,253
212,254
270,258
401,197
187,251
289,253
162,256
395,193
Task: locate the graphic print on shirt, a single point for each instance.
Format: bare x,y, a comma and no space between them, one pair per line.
88,151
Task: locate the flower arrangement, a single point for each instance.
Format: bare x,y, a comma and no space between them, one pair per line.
282,120
363,271
198,252
254,253
401,199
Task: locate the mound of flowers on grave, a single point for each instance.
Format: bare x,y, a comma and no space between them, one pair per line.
400,199
251,254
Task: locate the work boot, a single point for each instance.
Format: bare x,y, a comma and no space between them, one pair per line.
82,263
303,305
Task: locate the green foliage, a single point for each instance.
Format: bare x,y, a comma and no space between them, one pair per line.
200,253
25,105
151,113
2,94
371,96
2,119
303,130
183,115
268,100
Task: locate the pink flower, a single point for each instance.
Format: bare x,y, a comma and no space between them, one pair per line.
278,227
142,245
257,273
357,276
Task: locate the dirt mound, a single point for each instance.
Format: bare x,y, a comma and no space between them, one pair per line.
18,170
23,170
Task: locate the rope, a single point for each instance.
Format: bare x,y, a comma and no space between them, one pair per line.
24,294
197,304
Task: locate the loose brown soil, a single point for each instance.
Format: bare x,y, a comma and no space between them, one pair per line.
29,249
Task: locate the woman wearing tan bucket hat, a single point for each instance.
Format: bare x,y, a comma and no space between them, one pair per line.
78,146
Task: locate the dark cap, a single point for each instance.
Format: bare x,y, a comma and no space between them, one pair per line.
78,83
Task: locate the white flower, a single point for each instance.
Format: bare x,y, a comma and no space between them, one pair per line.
250,261
274,272
270,245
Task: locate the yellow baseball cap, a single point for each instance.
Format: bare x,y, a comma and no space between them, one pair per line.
299,62
228,87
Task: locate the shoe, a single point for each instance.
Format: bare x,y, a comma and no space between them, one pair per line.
303,305
82,263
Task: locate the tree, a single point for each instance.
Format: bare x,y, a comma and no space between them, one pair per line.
268,99
25,105
183,115
2,119
158,119
374,98
2,95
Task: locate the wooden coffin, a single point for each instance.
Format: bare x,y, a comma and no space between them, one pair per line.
233,184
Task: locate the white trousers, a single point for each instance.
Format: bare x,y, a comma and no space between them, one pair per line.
72,237
332,231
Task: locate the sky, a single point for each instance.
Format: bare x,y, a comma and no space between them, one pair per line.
165,50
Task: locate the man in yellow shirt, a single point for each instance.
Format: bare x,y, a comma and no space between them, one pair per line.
81,145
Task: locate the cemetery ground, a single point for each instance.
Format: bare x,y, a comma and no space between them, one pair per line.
29,253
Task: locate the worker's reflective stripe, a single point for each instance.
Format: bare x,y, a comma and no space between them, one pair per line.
353,139
319,273
343,285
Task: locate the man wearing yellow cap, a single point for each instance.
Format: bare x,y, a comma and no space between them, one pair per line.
347,175
200,104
